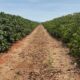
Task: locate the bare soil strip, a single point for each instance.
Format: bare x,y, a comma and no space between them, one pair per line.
38,57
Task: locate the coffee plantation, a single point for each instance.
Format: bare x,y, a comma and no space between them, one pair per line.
67,29
13,28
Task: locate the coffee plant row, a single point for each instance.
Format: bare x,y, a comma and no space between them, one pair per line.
13,28
67,29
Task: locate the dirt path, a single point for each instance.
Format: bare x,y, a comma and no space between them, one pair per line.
38,57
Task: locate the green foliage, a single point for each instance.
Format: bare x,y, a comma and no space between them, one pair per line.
67,29
13,28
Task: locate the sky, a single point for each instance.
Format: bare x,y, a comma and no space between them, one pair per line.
40,10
